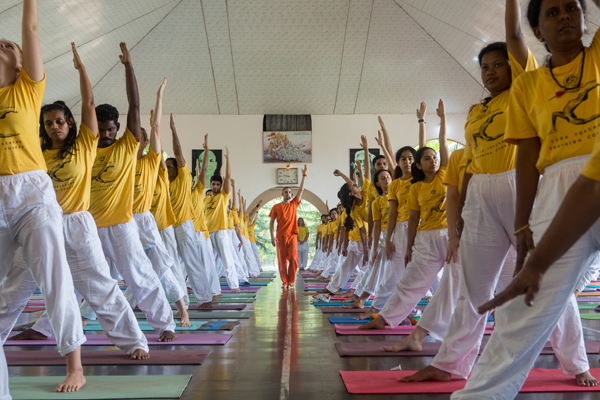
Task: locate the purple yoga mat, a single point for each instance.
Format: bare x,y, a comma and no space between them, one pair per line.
399,330
213,307
243,288
36,304
102,340
375,349
113,357
588,299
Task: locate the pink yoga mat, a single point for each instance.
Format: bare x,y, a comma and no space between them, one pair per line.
33,309
113,357
213,307
102,340
388,382
36,304
375,349
399,330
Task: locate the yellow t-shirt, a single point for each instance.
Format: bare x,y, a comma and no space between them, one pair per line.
215,208
252,233
592,167
181,196
430,200
456,169
302,232
231,218
360,214
72,175
567,125
333,228
399,191
485,127
146,171
113,177
372,194
20,105
161,201
198,204
240,216
381,211
245,222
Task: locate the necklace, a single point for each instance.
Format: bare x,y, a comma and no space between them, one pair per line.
561,92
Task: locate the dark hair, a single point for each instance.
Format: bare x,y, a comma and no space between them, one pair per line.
145,135
379,157
535,7
106,112
69,144
332,210
206,193
323,216
287,187
398,170
490,48
217,178
348,203
173,160
417,173
376,179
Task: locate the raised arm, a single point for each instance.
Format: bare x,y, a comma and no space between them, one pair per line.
360,172
177,146
226,183
33,63
88,108
515,41
391,161
365,146
252,212
353,187
163,164
233,194
155,142
422,124
301,190
133,96
386,137
444,149
202,172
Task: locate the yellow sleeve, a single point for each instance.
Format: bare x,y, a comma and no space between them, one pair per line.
413,197
452,177
392,190
468,153
516,69
376,208
518,124
129,141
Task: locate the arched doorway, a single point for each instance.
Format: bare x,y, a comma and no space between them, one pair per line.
275,193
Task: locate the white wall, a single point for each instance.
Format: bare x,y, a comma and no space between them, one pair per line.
333,136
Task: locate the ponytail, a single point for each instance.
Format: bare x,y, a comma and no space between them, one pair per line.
348,203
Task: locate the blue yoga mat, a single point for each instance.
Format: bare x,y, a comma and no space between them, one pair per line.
215,326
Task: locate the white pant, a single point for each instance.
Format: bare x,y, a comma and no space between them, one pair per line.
159,256
428,257
522,331
256,256
254,269
221,244
238,257
342,275
91,277
198,274
591,274
302,255
393,267
316,262
370,283
31,218
331,261
121,244
207,259
178,269
4,394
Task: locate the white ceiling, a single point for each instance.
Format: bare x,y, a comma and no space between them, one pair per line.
273,56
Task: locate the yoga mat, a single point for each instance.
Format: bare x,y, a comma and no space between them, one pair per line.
351,320
208,315
375,349
219,326
101,387
145,326
225,288
590,316
238,296
252,287
233,300
36,304
344,298
102,340
330,310
319,289
113,357
212,307
33,309
588,299
587,306
337,304
388,382
399,330
228,292
589,294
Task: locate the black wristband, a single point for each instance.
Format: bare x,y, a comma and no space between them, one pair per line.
422,120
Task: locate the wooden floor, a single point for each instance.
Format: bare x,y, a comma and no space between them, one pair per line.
250,366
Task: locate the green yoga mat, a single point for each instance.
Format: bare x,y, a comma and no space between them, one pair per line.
590,316
145,326
101,387
587,306
209,315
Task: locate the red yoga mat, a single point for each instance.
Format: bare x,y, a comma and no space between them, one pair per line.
102,340
388,382
399,330
112,357
375,349
33,309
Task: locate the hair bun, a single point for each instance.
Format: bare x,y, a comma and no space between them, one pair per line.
60,103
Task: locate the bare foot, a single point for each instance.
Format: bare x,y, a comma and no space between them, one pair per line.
586,379
206,305
324,291
366,315
29,334
140,354
185,319
428,374
167,336
73,382
377,323
409,343
83,322
357,304
215,298
348,295
178,314
236,290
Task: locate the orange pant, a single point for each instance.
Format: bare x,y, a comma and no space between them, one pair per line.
287,250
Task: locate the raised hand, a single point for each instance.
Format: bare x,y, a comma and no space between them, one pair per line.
226,153
422,110
382,124
76,60
379,139
205,144
337,172
359,164
198,168
363,142
172,122
441,110
304,169
125,57
161,89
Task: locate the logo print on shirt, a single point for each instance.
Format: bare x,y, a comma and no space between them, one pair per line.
437,208
56,169
568,112
98,178
5,111
482,134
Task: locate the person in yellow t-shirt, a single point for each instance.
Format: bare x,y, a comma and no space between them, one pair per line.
302,238
216,208
332,260
233,228
206,252
319,255
69,157
354,248
251,218
553,120
201,276
426,232
253,267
